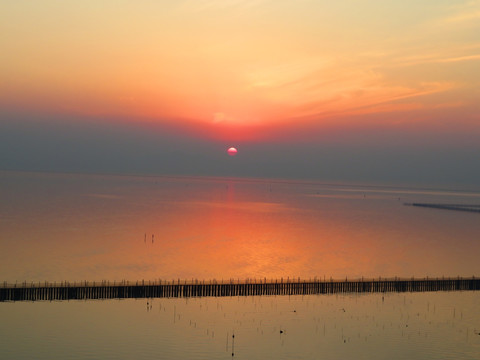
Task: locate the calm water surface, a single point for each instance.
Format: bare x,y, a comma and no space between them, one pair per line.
413,326
83,227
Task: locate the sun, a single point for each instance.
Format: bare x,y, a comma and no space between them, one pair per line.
232,151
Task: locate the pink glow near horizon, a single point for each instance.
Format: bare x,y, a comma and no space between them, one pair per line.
224,66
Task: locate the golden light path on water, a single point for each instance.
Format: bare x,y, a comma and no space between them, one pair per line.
79,227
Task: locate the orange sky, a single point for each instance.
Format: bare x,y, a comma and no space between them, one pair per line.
231,64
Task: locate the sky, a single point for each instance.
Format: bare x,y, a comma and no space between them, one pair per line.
353,91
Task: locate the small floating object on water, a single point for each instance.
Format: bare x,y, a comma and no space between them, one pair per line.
281,331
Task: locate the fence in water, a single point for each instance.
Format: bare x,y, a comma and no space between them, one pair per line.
458,207
183,289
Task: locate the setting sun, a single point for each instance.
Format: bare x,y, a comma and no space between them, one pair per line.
232,151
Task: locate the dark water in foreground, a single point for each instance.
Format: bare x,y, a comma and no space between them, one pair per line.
440,325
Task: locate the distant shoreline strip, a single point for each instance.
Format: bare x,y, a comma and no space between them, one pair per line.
146,290
457,207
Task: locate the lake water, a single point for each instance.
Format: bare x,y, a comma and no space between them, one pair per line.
413,326
89,227
83,227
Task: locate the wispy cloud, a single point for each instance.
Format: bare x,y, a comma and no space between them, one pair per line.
323,87
375,99
465,12
459,58
431,58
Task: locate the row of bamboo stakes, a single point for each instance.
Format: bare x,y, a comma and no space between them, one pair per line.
184,289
